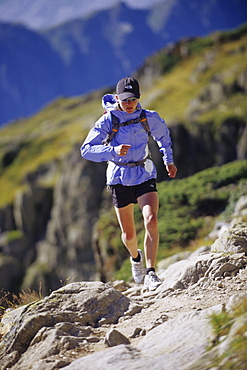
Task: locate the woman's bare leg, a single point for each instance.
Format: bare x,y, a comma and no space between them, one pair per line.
149,204
125,216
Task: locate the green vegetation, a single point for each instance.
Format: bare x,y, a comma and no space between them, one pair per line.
14,235
233,326
221,56
167,59
185,203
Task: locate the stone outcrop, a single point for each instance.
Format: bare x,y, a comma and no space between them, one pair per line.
204,148
240,210
74,326
32,211
53,226
76,204
233,240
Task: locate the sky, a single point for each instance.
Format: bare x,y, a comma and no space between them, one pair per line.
36,13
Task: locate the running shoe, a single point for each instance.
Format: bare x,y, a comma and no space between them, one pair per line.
137,268
151,281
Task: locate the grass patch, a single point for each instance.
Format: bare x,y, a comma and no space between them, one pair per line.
185,203
13,301
14,235
233,326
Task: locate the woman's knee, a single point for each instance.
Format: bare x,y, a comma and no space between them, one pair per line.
128,236
151,221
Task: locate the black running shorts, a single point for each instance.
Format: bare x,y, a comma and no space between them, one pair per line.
124,195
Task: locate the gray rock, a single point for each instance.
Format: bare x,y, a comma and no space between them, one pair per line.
233,240
27,219
7,221
185,273
52,318
241,204
240,210
182,274
219,228
119,357
114,338
166,262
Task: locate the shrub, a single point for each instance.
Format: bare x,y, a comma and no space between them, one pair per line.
235,355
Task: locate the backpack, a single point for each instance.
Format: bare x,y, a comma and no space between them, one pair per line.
116,125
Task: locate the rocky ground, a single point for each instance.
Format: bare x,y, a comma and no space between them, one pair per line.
158,309
159,306
120,325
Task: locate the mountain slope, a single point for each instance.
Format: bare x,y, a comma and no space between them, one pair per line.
93,52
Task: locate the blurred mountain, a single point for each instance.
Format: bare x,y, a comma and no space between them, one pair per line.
30,72
95,51
44,14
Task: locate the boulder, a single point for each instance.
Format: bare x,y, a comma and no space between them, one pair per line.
240,211
7,221
219,228
114,338
68,313
233,240
200,264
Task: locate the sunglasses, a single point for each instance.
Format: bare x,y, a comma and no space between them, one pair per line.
129,99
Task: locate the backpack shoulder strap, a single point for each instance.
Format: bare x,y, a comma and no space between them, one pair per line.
144,122
114,129
116,124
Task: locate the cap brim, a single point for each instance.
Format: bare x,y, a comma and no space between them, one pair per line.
127,95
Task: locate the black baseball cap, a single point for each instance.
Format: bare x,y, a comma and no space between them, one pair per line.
128,87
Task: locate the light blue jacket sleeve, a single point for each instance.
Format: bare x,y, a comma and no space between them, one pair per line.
92,149
161,135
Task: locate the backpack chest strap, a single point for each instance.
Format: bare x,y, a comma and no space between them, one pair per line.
130,122
116,125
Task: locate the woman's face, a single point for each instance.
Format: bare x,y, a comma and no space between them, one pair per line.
128,105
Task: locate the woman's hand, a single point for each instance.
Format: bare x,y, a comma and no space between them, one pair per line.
172,170
122,149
